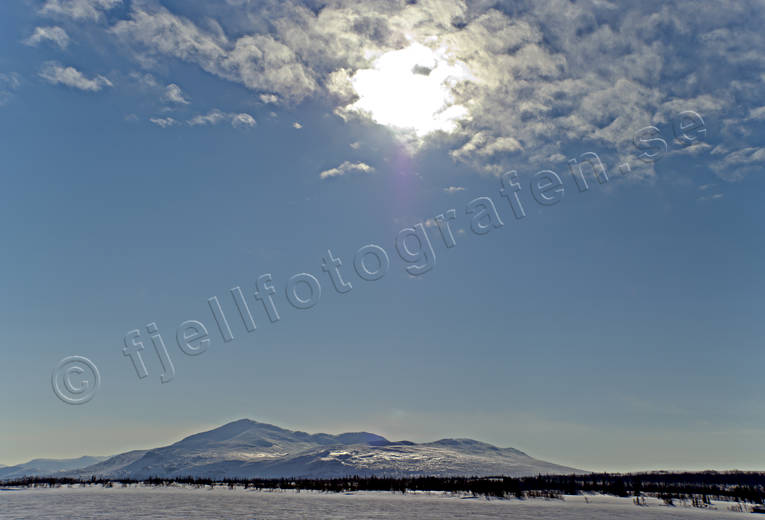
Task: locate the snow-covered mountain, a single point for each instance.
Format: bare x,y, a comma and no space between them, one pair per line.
46,467
248,448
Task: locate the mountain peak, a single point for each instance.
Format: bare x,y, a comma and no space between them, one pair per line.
250,449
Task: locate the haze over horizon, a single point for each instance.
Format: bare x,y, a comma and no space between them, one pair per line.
388,437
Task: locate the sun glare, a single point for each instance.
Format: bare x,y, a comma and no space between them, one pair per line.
411,90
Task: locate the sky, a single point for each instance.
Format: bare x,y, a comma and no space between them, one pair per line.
158,154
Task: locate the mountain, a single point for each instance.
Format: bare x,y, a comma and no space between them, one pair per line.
247,448
46,467
252,449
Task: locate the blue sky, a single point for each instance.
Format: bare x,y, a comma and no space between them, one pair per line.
158,154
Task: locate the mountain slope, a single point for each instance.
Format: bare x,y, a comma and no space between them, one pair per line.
251,449
46,467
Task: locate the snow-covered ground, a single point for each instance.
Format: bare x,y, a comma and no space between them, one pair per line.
95,502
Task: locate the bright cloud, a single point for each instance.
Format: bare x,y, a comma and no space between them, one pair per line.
510,84
56,35
242,121
174,94
215,117
78,9
163,122
345,168
55,74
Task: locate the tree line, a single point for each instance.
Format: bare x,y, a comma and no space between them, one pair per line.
698,487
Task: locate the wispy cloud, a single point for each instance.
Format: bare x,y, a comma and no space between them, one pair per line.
54,34
737,163
163,122
345,168
55,74
543,75
211,118
145,79
454,189
214,117
715,196
9,84
78,9
259,61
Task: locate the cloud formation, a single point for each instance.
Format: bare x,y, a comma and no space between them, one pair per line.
78,9
55,74
544,76
9,84
216,116
56,35
345,168
212,118
163,122
174,94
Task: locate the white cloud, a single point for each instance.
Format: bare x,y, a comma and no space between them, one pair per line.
9,84
736,164
485,145
215,117
145,79
345,168
174,94
78,9
757,114
296,125
55,74
211,118
163,122
10,80
694,149
56,35
242,121
454,189
258,61
747,155
545,77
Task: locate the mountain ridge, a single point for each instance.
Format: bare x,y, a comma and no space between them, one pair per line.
250,449
43,466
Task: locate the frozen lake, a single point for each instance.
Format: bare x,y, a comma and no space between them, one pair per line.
190,503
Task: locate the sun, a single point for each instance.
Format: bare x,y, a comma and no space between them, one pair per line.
411,90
